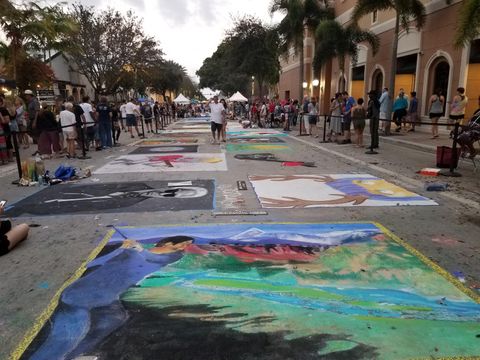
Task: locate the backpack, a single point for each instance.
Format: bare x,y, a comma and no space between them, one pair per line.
147,111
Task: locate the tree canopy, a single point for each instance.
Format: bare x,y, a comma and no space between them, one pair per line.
248,49
109,44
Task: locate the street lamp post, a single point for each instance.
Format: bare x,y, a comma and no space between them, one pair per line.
253,86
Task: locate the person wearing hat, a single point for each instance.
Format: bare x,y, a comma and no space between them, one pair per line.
33,109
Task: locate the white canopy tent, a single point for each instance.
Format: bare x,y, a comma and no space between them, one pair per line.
238,97
182,100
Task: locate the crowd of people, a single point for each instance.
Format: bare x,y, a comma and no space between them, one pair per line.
63,128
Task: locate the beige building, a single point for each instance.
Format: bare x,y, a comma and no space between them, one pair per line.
426,60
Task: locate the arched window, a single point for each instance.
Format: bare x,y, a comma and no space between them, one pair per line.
438,76
377,81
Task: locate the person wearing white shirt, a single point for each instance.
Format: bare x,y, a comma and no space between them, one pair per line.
89,124
68,123
123,114
217,111
132,112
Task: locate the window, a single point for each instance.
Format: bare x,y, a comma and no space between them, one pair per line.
374,16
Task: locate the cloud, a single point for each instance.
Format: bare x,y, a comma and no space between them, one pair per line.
180,12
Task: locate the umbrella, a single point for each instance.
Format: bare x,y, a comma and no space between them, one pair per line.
238,97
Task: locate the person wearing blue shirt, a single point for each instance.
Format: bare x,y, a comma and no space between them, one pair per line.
105,122
400,107
347,117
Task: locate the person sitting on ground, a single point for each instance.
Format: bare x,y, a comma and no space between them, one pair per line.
358,117
11,236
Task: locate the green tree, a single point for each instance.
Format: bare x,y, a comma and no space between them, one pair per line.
335,41
254,50
405,12
249,49
32,27
166,76
299,15
108,44
468,27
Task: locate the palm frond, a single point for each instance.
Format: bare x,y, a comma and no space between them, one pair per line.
365,7
468,27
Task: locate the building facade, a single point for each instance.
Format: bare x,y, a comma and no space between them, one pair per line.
426,60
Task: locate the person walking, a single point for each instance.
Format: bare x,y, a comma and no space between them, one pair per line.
132,112
359,114
104,116
33,108
437,103
217,112
116,129
48,139
413,111
20,116
373,114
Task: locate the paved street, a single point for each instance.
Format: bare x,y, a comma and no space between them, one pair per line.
59,244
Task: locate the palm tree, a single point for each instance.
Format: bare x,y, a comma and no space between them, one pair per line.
405,12
468,27
299,14
334,40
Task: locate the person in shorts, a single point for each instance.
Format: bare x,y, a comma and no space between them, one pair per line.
132,112
10,235
68,123
217,112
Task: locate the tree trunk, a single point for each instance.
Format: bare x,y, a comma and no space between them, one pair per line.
302,72
393,71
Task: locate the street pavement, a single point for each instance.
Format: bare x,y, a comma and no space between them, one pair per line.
58,245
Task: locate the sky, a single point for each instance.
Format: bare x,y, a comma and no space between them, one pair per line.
189,30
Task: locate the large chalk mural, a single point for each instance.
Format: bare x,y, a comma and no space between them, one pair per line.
309,191
142,196
256,147
166,163
250,291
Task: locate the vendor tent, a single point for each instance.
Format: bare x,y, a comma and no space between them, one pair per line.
238,97
182,100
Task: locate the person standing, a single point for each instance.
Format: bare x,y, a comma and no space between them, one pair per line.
116,130
105,122
225,120
384,102
33,108
437,103
457,109
123,115
5,116
335,118
413,111
22,122
358,118
347,117
147,114
89,123
305,116
373,114
69,127
131,117
313,116
217,111
400,107
48,133
263,115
